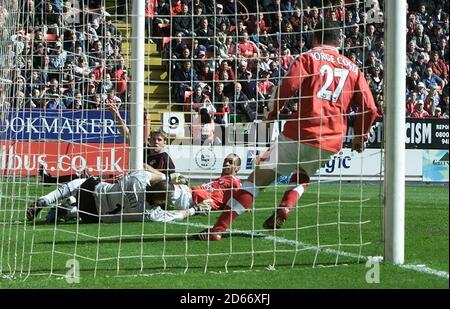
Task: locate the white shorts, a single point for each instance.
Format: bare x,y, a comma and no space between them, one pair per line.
182,198
286,156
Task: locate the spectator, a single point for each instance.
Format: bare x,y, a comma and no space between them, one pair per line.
203,129
422,40
356,37
183,23
355,60
122,87
94,102
35,100
249,85
54,102
184,57
419,112
422,14
411,103
119,69
285,59
379,49
246,48
197,99
218,95
296,20
81,70
220,17
351,17
58,58
69,93
438,66
300,46
178,46
412,24
420,65
422,92
106,84
411,53
432,100
439,15
377,80
430,79
443,50
288,38
444,104
239,103
204,34
35,82
438,113
223,112
77,102
370,38
185,77
372,62
264,91
112,99
205,75
275,73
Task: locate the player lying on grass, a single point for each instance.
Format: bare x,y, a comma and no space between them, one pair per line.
204,197
123,200
141,195
327,85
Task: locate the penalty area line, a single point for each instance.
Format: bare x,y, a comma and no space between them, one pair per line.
418,268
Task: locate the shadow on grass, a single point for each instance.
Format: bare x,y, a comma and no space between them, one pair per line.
128,239
193,266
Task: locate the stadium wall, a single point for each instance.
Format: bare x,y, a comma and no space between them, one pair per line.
70,141
421,164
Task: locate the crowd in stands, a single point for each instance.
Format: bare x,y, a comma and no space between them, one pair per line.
228,55
225,55
63,56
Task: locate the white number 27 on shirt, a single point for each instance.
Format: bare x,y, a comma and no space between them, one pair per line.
324,92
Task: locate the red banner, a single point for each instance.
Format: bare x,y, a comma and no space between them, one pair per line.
25,158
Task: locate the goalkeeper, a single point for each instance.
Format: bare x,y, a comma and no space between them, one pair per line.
328,85
121,201
104,201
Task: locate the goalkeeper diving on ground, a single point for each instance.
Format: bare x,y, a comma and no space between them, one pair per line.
137,196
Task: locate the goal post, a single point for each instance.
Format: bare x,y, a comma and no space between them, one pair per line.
395,131
338,220
138,68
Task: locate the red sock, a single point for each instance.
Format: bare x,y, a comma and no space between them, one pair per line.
292,196
237,202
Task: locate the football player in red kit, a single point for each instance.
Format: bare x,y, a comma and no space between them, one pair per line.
216,189
204,197
327,84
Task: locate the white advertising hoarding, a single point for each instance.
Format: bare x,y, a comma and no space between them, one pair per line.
206,162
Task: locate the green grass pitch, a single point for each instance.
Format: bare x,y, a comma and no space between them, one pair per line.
324,244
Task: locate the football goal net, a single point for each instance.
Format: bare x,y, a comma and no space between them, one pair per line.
94,92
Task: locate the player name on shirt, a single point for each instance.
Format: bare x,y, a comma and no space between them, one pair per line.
319,56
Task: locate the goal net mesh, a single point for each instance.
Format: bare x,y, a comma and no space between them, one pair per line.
64,63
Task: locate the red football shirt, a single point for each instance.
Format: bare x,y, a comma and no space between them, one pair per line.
215,190
326,84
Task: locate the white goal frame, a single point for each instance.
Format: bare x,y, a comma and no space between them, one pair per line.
394,182
395,63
